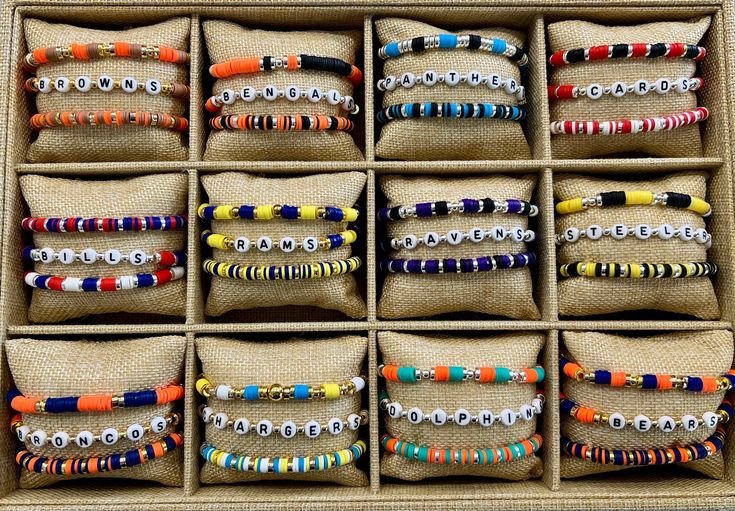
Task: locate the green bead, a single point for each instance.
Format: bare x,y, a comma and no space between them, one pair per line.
407,374
456,373
502,374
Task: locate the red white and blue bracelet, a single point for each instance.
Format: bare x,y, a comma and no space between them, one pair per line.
164,258
102,224
103,284
630,51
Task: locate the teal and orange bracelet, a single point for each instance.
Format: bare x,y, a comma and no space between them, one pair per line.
410,374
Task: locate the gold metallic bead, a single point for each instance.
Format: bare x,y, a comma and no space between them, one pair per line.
364,417
351,388
604,418
263,392
277,209
321,212
275,392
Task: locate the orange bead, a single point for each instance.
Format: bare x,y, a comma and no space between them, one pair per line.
441,373
618,379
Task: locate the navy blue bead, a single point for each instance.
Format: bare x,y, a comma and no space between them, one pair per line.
169,442
247,212
334,214
132,458
695,384
13,393
127,224
650,381
114,461
289,212
145,280
566,406
89,284
61,404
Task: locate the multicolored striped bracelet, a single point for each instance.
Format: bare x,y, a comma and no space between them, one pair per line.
73,466
640,231
90,256
103,224
455,237
626,126
643,423
277,212
641,457
292,62
106,83
462,206
291,93
283,464
703,384
452,41
278,392
103,284
410,374
451,111
620,89
86,439
480,456
592,269
462,265
109,118
94,403
636,198
630,51
281,122
320,270
98,51
461,417
453,78
286,244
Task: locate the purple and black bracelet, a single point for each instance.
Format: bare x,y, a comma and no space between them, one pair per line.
444,208
463,265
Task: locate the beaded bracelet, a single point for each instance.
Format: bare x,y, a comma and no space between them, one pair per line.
288,429
286,244
643,423
94,224
72,466
455,237
409,374
462,265
106,84
461,417
704,384
453,78
112,256
625,126
619,51
451,41
98,51
620,89
451,111
281,122
320,270
283,464
85,439
640,457
251,65
637,270
94,403
444,208
109,118
103,284
292,93
278,392
640,231
636,198
277,212
480,456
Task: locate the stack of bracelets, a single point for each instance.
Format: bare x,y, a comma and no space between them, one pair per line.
439,417
636,270
86,439
476,235
287,429
172,263
515,111
712,420
105,83
286,244
291,93
594,91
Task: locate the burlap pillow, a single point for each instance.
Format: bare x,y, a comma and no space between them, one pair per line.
503,292
515,351
240,363
104,143
234,188
449,139
227,41
582,296
679,142
706,353
43,368
159,194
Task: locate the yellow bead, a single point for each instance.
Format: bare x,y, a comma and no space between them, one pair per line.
308,212
264,213
635,271
638,198
201,383
200,210
223,213
331,390
590,270
700,207
569,206
219,241
349,236
351,214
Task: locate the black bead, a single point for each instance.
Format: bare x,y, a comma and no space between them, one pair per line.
613,198
417,44
620,51
678,200
475,41
441,208
574,56
657,50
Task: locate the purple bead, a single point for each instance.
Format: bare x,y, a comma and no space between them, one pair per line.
450,265
471,205
431,266
27,253
423,209
531,258
484,264
414,266
504,261
383,214
514,206
519,260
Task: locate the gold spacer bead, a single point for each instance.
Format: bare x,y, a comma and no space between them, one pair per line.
275,392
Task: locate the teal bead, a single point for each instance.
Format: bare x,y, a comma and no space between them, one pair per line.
502,374
541,373
407,374
522,449
480,457
456,373
448,459
410,451
490,456
423,454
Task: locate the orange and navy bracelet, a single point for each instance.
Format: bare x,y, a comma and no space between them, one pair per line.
626,126
109,118
410,374
252,65
94,403
98,51
281,122
630,51
104,83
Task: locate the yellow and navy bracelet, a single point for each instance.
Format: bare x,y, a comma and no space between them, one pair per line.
636,198
320,270
278,392
285,244
637,270
277,212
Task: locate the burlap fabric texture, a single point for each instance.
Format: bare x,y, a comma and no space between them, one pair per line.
241,363
43,368
339,292
228,41
515,351
704,353
503,292
105,143
583,296
158,194
449,139
680,142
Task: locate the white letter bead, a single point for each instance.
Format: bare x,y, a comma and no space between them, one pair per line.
508,417
292,93
410,241
354,421
242,426
264,244
287,244
105,83
485,418
408,80
431,239
666,424
390,83
493,81
110,436
289,429
129,84
66,255
594,232
47,254
228,96
44,85
23,432
452,78
640,87
335,426
88,256
138,257
135,432
314,94
474,78
84,439
359,383
248,94
438,417
242,244
710,419
207,413
270,93
429,78
690,423
415,416
158,424
223,391
60,439
454,237
264,428
310,244
665,231
686,233
220,420
511,86
527,412
394,410
642,232
462,417
571,234
312,429
538,405
83,83
38,438
499,233
153,87
113,256
594,91
642,423
617,420
618,231
682,84
519,234
477,234
663,85
61,84
618,89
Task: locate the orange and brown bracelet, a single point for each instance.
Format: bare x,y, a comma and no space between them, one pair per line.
105,83
109,118
97,51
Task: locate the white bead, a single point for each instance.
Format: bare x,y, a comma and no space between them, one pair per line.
310,244
222,391
44,85
23,432
618,89
129,84
571,234
127,282
594,91
682,84
83,83
38,438
410,241
287,244
431,239
88,256
105,83
462,417
135,432
640,87
61,84
71,284
485,418
138,257
415,416
248,94
642,231
153,87
618,231
642,423
207,414
60,439
109,436
292,93
289,429
335,426
452,78
158,424
314,94
499,233
686,233
474,78
84,439
477,234
538,405
511,86
66,255
617,420
663,85
228,96
493,81
508,417
710,419
701,235
438,417
242,244
112,256
47,254
270,93
390,83
594,232
349,103
429,78
454,237
264,244
408,80
358,382
665,231
354,421
241,426
518,234
220,420
666,424
689,423
312,429
527,412
394,410
264,428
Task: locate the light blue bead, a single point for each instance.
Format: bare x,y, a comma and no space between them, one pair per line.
391,49
447,41
499,45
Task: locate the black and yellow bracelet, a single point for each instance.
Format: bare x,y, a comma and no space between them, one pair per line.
282,272
636,198
637,270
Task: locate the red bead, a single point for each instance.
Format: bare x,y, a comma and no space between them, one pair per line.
598,52
167,258
676,50
54,283
163,276
108,284
557,59
639,49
